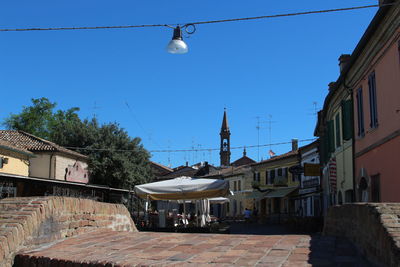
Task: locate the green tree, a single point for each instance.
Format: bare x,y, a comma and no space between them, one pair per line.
115,159
34,119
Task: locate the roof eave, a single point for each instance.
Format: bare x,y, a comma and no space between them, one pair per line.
369,32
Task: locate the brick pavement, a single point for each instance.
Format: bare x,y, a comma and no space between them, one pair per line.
111,248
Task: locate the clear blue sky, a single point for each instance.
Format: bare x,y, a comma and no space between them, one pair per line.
254,68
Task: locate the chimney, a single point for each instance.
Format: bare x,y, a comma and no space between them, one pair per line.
343,61
295,144
187,163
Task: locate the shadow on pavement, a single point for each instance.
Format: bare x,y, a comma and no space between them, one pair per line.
315,249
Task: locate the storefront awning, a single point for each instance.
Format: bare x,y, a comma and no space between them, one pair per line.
280,192
256,195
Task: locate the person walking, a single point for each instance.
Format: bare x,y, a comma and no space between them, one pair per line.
247,214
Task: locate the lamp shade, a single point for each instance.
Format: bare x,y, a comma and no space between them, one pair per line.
177,45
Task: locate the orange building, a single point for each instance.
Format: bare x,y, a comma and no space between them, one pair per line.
374,75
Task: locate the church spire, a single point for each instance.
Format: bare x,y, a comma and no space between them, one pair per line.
225,150
224,126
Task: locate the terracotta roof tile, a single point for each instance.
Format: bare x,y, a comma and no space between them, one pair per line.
286,155
32,143
242,161
10,146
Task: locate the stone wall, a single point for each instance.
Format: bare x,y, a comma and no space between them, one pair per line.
32,221
373,227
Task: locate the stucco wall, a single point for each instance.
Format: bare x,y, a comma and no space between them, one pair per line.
18,164
344,165
62,162
387,73
383,160
40,166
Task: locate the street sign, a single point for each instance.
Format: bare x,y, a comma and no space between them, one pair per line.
312,169
297,169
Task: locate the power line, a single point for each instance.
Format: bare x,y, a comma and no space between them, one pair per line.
185,150
199,22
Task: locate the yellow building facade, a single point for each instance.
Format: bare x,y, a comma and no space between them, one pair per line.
14,160
276,184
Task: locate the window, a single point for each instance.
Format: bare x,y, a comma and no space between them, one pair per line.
375,188
234,186
279,172
285,172
267,180
296,177
256,177
360,113
337,130
372,100
239,185
347,119
272,176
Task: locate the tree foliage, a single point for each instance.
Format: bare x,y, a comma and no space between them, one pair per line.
115,159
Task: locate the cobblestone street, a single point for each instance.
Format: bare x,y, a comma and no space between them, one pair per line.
175,249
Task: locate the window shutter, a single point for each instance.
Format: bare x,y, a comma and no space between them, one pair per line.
272,174
347,119
266,178
360,112
372,101
331,136
337,130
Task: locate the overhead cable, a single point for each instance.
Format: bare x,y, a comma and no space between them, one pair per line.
184,150
199,22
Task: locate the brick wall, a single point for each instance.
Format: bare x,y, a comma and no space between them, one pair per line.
373,227
28,222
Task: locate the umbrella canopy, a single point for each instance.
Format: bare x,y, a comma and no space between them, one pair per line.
183,188
218,200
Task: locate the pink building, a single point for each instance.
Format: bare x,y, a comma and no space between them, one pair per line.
373,75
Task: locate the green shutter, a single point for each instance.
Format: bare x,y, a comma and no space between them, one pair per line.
337,128
347,119
331,136
322,149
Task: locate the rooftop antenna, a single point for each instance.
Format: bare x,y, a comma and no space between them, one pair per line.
314,112
270,121
258,137
169,153
95,107
258,127
193,151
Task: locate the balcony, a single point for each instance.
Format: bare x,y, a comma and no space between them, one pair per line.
311,183
281,181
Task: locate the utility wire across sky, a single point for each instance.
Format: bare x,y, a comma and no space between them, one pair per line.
185,150
200,22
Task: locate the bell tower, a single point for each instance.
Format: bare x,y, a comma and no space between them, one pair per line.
225,150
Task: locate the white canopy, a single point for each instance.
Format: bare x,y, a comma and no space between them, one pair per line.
218,200
183,188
